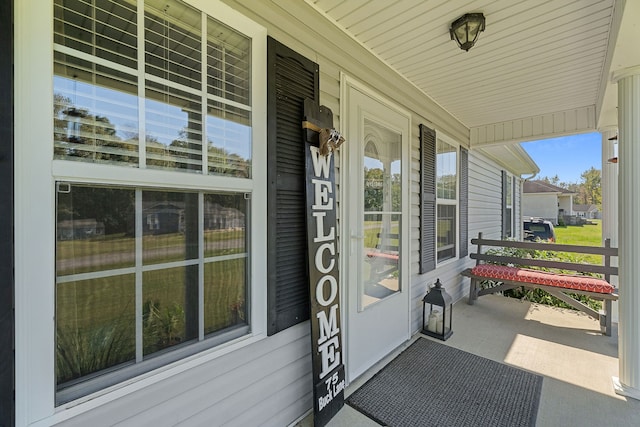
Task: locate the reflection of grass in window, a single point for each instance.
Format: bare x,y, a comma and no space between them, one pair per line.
163,293
95,319
102,253
224,242
224,294
95,326
119,243
371,231
162,326
164,296
67,249
119,251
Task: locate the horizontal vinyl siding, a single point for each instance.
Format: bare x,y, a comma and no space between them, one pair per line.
485,197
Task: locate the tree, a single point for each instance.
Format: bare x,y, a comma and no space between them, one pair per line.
591,187
555,180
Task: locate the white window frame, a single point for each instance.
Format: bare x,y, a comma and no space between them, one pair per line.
451,202
510,188
34,186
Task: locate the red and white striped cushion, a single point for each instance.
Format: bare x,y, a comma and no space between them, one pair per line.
583,283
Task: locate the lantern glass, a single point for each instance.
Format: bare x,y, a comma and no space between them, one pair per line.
465,30
436,322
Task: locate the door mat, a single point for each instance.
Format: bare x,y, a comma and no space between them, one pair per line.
432,384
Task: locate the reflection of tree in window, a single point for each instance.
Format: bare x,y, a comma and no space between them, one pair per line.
373,184
93,122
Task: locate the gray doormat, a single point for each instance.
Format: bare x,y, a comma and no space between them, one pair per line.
432,384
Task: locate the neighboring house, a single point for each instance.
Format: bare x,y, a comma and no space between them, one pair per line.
543,200
191,126
163,218
587,211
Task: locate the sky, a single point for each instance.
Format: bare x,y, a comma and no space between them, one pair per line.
567,156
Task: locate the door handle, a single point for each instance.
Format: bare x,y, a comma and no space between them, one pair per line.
355,236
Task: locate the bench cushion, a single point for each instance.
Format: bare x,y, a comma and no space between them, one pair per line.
583,283
384,255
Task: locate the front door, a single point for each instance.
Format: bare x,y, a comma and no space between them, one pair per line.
376,183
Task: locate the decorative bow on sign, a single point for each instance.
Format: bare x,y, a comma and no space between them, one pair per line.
330,140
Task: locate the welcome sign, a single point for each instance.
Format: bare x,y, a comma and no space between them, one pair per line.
324,291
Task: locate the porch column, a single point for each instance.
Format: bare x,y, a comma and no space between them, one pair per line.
628,80
610,201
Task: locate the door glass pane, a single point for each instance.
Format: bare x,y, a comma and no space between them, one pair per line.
382,206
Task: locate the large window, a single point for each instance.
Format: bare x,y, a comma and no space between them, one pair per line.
446,199
152,265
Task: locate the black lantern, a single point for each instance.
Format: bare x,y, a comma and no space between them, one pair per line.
437,323
465,30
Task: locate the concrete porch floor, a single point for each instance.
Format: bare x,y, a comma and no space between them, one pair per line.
564,346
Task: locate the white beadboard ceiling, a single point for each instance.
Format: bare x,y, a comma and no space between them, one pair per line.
535,57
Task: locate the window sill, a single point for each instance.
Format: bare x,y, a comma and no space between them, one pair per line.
446,262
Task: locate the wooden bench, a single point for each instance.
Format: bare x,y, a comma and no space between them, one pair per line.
512,272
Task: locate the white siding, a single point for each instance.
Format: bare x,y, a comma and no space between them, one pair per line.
485,197
541,206
565,202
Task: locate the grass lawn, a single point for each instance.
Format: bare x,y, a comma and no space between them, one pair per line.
586,235
583,235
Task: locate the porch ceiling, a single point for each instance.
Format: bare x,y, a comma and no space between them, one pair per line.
535,57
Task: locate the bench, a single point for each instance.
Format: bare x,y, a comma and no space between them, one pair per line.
513,272
384,258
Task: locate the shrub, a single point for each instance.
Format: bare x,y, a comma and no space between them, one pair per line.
82,352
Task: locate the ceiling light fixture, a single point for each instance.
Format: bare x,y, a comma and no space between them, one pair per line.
465,30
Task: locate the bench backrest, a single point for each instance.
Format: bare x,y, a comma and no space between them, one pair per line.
606,251
388,242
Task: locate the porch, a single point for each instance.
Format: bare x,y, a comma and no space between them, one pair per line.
564,346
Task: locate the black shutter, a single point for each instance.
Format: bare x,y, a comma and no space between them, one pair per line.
464,202
290,79
427,199
7,322
504,205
